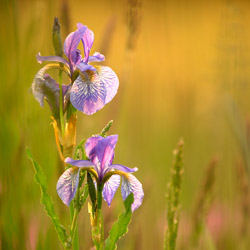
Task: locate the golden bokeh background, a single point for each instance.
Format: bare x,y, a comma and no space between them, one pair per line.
184,71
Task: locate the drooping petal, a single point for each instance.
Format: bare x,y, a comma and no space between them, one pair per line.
131,184
71,43
87,40
110,188
88,94
79,163
123,168
67,185
110,80
45,87
97,57
41,59
92,90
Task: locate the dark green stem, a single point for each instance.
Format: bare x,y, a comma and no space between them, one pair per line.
61,103
97,229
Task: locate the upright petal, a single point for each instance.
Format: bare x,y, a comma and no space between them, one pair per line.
101,151
71,43
110,188
131,184
67,185
87,40
90,149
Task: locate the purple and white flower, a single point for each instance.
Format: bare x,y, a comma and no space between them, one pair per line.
95,85
100,152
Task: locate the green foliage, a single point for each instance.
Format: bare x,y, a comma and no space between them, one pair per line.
203,202
106,129
173,194
120,227
46,200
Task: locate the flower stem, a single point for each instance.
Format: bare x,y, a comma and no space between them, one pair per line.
61,103
99,230
73,230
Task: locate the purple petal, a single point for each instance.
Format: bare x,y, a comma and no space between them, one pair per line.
84,66
67,185
88,95
110,80
123,168
71,43
131,184
90,149
45,87
79,163
41,59
97,57
101,151
92,90
87,40
110,188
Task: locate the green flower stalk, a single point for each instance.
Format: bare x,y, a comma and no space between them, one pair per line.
172,195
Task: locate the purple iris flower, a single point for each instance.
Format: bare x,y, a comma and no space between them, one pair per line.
95,85
100,152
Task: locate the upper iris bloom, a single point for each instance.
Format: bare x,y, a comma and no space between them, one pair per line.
100,152
95,85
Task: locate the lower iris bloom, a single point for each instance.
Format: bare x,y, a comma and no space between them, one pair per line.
94,85
100,152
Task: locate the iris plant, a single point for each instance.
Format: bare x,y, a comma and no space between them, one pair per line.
93,86
100,152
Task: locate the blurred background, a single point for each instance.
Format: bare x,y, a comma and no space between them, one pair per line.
184,70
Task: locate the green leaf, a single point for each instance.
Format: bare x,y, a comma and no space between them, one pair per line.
92,192
120,227
46,200
78,149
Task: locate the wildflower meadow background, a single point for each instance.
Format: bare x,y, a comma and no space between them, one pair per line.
184,72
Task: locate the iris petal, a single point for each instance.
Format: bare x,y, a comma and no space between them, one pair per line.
101,151
110,80
123,168
93,89
110,188
131,185
41,59
88,94
87,40
71,43
67,185
97,57
90,149
79,163
84,66
45,87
